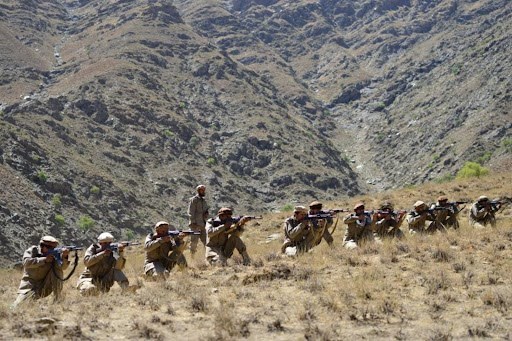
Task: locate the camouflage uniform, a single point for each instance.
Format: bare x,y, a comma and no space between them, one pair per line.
388,225
40,278
445,214
482,213
298,236
357,230
162,256
320,226
198,214
421,220
102,270
219,244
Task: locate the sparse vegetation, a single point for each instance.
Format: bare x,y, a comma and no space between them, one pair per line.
168,133
59,219
57,200
211,161
471,169
194,141
287,208
42,176
85,223
507,144
95,190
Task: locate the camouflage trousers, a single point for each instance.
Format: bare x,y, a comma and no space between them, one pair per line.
482,223
92,286
161,268
194,239
50,284
220,254
429,227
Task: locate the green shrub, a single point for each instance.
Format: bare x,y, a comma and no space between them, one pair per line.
456,68
95,190
211,161
471,169
129,235
59,219
194,141
484,158
57,200
287,208
85,223
182,105
168,133
42,177
507,144
444,178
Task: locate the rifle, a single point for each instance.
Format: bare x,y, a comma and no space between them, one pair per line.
456,203
114,247
57,252
325,214
386,212
175,233
236,220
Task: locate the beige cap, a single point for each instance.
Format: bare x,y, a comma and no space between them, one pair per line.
386,205
442,198
200,187
48,239
225,210
482,198
160,223
300,209
105,237
418,203
358,205
315,203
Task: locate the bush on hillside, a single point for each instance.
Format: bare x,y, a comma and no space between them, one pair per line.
471,169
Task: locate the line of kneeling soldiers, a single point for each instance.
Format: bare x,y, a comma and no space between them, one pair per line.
43,272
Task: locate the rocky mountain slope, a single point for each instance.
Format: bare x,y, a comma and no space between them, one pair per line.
113,111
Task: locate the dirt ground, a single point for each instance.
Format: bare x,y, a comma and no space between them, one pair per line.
439,287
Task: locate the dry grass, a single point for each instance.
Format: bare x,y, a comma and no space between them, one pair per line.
438,287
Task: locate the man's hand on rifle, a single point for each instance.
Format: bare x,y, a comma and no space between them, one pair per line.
65,253
50,258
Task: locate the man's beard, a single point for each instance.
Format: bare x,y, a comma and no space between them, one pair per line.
202,194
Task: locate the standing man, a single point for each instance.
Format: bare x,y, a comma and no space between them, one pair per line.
223,237
163,252
42,274
320,226
103,267
299,236
388,222
359,227
198,215
423,220
483,213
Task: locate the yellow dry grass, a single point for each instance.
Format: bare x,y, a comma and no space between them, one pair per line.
443,286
